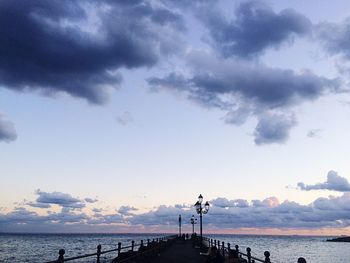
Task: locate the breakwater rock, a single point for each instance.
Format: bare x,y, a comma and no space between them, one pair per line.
339,239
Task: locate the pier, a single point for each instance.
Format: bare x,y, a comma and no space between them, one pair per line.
168,249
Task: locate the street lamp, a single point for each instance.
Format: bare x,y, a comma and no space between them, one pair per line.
193,222
201,209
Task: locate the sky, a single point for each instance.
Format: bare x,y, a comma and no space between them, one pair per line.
116,115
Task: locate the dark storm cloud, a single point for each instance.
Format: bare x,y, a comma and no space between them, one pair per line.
335,37
243,89
7,130
213,81
58,198
255,28
76,47
66,201
273,128
334,183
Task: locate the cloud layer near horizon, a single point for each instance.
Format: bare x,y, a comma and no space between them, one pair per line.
270,213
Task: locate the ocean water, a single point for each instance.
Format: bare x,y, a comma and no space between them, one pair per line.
44,247
287,249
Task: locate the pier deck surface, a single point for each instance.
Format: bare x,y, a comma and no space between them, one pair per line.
181,252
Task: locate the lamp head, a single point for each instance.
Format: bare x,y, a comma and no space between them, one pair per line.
200,198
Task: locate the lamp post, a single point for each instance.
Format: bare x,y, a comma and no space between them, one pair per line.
201,209
180,225
193,222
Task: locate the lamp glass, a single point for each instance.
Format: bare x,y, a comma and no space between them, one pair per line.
198,207
206,206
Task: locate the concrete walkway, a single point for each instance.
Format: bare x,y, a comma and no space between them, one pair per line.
180,252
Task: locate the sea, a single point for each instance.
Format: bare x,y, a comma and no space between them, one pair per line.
44,247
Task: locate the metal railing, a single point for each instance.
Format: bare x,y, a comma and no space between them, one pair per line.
227,251
124,253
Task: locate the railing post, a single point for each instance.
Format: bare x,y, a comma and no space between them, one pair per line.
119,248
267,257
147,241
61,256
141,243
211,242
249,255
132,245
223,248
228,247
98,253
237,248
214,242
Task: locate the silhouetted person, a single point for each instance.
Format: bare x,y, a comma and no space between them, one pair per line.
301,260
214,256
233,257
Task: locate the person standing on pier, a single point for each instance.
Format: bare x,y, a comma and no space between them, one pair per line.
214,256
